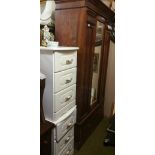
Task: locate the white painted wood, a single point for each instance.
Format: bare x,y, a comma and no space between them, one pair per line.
47,67
64,126
61,120
64,79
64,97
59,48
64,141
65,60
58,64
42,76
63,111
69,149
48,105
47,61
65,116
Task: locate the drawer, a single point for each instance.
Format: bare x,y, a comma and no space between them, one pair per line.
69,149
64,60
64,79
65,125
64,97
64,141
63,111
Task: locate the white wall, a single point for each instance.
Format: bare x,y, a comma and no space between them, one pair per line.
110,82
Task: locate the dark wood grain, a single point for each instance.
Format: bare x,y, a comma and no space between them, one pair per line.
99,7
68,25
45,143
75,25
44,127
84,128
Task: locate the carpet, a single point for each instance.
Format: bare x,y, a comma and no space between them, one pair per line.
94,144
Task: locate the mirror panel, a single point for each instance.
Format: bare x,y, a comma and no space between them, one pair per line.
96,61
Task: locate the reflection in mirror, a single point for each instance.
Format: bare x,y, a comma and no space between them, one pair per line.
96,61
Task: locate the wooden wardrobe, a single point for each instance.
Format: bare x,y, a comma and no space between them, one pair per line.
84,23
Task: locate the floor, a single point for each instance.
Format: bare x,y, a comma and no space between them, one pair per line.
94,144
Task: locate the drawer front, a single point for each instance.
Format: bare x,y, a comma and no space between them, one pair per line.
64,126
63,111
65,60
69,149
64,79
64,97
64,141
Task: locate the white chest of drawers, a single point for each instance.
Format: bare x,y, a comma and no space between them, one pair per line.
59,64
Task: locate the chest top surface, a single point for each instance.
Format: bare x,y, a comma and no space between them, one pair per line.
59,48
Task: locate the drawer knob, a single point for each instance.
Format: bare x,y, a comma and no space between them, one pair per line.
67,139
68,80
68,98
69,61
89,25
67,153
69,125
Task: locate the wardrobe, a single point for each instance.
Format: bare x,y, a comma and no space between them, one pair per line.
84,23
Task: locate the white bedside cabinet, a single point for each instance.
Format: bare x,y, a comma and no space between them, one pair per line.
59,64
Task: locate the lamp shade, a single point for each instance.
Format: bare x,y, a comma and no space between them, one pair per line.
47,9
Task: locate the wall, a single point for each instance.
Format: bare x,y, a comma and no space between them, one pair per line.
110,82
